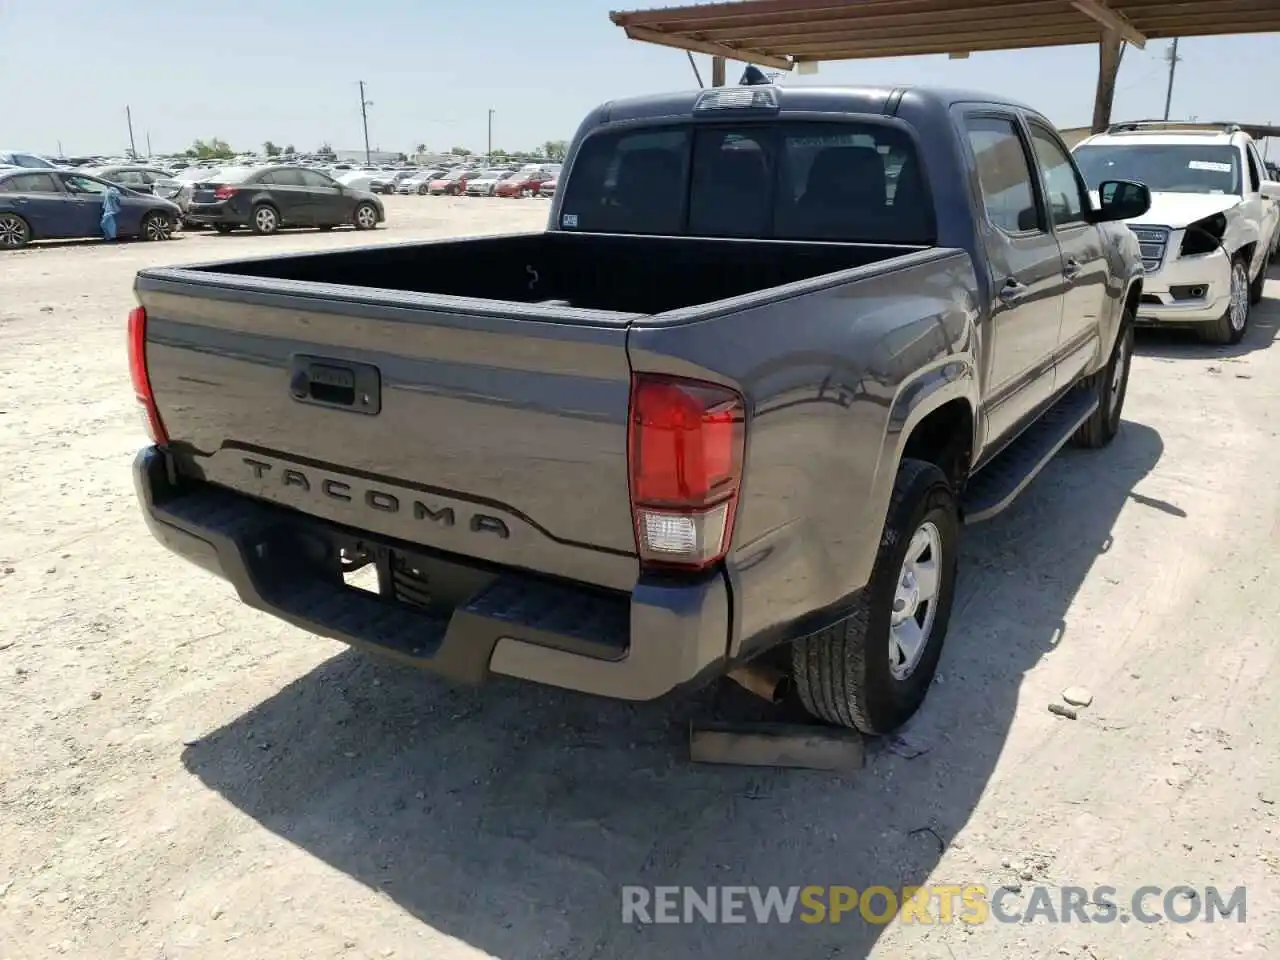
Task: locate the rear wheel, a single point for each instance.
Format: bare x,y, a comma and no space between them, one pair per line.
265,219
157,226
1229,328
422,191
366,216
1111,384
872,670
14,231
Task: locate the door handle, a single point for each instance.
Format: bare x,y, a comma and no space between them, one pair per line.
1070,269
1012,290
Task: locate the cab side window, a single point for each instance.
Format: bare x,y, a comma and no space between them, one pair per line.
1008,191
1066,200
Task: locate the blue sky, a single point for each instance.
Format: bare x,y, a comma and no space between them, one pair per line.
286,70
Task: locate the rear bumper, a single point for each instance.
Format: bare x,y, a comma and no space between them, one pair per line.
213,213
641,646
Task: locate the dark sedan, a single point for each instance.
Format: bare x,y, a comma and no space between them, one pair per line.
144,179
66,204
264,199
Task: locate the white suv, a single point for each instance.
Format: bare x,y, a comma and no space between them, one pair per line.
1214,222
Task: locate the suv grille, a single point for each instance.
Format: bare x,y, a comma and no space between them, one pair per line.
1154,241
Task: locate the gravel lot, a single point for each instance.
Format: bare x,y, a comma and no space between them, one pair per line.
181,777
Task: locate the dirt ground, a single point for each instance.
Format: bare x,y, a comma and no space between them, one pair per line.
181,777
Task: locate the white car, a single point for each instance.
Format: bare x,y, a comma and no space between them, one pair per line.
486,183
1214,222
356,179
419,182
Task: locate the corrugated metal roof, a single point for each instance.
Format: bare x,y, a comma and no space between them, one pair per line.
781,33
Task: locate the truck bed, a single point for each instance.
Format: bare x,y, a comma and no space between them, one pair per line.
612,273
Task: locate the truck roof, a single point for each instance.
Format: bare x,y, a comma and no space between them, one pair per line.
843,99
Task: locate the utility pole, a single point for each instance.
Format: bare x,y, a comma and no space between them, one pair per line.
364,119
149,153
60,153
488,158
1172,56
128,115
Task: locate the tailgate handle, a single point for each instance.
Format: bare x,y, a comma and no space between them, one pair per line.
336,383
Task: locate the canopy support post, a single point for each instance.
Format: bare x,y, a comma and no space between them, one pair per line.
1110,50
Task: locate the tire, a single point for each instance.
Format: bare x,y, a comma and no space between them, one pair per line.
265,219
156,226
365,216
15,232
223,228
423,191
847,674
1111,384
1256,285
1229,329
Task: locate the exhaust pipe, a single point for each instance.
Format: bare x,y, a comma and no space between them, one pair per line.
762,680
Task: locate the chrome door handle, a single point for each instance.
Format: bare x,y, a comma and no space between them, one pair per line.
1070,269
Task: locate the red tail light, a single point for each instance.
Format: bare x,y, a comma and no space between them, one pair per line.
685,448
224,192
141,379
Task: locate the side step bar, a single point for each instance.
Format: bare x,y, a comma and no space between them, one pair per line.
998,484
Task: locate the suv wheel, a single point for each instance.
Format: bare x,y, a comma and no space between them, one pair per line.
872,670
1229,328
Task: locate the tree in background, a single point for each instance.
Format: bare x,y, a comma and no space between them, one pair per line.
326,150
215,149
420,148
554,150
289,149
460,151
270,149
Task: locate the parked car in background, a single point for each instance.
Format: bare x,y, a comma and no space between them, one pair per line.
264,199
388,181
147,179
19,158
419,182
1214,222
55,204
548,187
484,183
524,183
449,184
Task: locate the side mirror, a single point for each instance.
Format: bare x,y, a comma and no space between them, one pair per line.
1271,189
1122,200
1028,219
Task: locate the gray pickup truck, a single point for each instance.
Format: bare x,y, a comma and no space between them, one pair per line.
727,412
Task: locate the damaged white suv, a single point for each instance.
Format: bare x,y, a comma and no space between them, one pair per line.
1214,222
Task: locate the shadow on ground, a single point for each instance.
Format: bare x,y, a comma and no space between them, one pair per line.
510,816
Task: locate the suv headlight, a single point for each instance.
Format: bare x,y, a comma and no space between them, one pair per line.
1203,236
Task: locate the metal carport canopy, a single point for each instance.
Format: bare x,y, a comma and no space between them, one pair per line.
783,33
